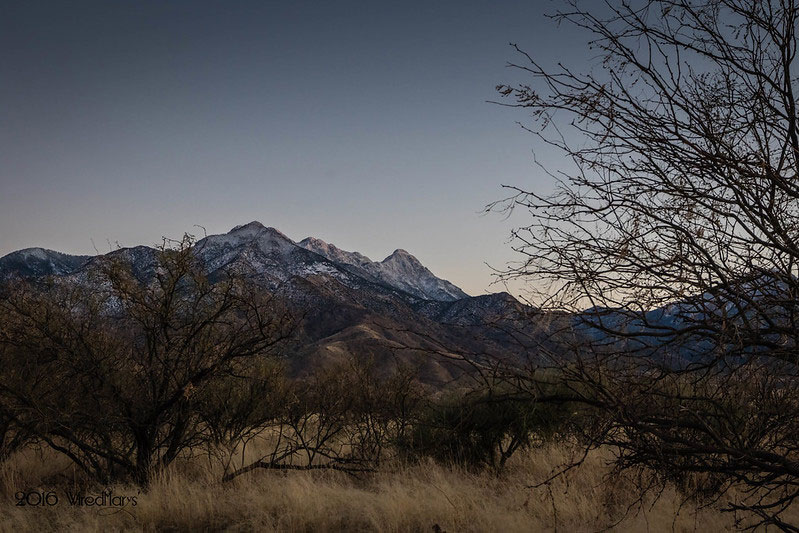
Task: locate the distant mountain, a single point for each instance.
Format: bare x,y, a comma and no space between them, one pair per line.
34,262
395,310
738,318
484,309
257,250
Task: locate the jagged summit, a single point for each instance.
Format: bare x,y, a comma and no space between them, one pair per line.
405,271
400,270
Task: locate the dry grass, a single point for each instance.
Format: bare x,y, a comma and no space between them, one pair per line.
188,497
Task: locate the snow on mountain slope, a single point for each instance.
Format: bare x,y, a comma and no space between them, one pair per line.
32,262
404,271
256,250
400,270
335,254
267,255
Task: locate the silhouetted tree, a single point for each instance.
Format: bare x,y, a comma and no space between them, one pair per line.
113,367
673,235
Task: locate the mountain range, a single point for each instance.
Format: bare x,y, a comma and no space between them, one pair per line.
396,311
392,311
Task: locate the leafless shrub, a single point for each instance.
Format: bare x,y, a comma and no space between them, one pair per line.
343,418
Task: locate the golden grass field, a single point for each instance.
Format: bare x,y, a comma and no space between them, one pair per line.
421,497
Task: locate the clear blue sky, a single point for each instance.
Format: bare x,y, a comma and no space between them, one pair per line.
362,123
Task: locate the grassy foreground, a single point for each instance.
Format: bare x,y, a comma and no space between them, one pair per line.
423,497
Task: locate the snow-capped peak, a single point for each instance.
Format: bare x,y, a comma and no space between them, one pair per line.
400,270
403,270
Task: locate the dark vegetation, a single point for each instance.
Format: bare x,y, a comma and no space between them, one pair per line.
124,374
672,238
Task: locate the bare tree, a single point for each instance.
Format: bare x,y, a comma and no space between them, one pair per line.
113,369
673,235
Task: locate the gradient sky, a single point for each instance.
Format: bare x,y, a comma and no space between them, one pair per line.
364,124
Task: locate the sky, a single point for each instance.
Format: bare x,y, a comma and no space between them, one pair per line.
365,124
